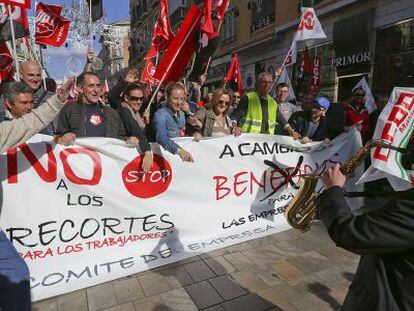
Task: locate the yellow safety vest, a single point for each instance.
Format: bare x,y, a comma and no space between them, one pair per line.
252,123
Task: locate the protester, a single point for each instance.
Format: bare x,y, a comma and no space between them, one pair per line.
235,102
19,104
115,94
195,90
357,114
311,124
129,111
169,121
14,273
87,117
258,113
214,119
282,96
384,238
307,101
31,75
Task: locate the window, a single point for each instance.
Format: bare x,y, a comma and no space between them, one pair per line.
229,27
263,14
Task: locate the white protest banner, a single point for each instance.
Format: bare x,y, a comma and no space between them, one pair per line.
369,99
86,214
309,26
395,125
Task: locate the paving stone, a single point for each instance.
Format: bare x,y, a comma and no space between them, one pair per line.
249,280
239,261
153,284
265,254
331,277
338,255
215,308
239,247
125,307
203,294
45,305
219,265
199,271
247,303
282,295
227,288
151,304
287,270
267,275
74,301
128,289
340,291
283,236
216,253
101,296
178,300
310,262
177,277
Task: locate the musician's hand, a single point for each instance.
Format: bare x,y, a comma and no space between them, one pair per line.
333,177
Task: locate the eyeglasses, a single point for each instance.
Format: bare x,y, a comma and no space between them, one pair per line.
136,98
223,102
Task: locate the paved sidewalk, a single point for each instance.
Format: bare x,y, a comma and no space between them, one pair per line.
283,271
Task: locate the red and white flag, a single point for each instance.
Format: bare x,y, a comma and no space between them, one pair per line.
305,66
291,56
309,26
316,74
51,28
221,6
163,33
148,73
21,23
234,74
21,3
6,62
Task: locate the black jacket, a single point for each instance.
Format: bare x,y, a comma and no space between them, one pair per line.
385,238
132,128
300,122
72,119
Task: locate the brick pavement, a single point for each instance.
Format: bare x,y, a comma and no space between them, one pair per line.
284,271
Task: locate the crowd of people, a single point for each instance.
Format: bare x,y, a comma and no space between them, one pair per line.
126,113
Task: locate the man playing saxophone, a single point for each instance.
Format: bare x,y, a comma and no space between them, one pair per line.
385,240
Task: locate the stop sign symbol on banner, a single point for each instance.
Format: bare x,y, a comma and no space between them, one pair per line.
308,21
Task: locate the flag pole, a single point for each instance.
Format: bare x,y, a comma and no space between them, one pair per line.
170,65
14,42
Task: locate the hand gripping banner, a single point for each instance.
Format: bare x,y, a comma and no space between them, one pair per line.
87,214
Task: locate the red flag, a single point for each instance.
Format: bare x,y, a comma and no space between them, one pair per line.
181,48
234,74
6,62
105,87
21,3
148,73
221,7
163,33
207,23
51,28
305,67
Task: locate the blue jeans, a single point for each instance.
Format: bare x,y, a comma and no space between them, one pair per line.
14,278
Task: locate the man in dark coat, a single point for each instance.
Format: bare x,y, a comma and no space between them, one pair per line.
385,240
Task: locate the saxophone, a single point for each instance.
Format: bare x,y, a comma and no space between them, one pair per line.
302,208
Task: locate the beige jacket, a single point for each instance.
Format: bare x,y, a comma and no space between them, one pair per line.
17,131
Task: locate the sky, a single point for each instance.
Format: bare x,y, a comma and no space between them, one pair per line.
115,10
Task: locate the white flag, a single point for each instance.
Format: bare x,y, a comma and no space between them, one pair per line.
394,126
309,26
369,99
291,55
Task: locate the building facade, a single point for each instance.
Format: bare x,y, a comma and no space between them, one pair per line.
365,38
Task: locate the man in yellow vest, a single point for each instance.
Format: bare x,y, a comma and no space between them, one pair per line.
258,112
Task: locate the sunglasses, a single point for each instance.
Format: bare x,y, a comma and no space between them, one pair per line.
136,98
223,102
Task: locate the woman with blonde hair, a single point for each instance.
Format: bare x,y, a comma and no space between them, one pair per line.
214,117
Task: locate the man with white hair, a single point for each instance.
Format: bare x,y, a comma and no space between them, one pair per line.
258,111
